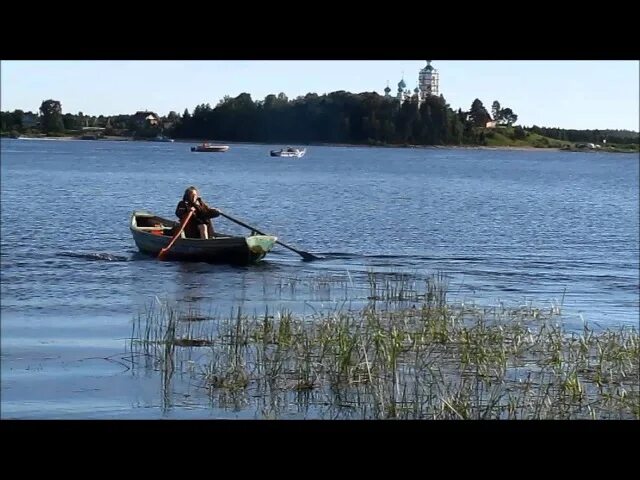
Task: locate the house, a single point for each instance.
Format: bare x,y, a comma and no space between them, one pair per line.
491,124
146,119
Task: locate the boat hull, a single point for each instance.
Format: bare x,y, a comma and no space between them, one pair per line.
210,148
284,153
220,249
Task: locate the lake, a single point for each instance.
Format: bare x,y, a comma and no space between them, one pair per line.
503,226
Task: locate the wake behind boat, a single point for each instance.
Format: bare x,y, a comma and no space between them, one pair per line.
289,152
152,233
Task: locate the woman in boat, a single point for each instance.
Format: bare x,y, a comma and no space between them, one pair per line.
200,225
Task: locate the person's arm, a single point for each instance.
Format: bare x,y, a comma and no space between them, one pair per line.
182,209
209,212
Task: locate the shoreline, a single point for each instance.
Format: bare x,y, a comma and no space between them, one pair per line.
320,144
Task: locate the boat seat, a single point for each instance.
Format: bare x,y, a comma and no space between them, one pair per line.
146,229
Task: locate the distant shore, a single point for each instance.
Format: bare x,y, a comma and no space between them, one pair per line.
321,144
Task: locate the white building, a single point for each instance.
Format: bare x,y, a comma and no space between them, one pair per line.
428,81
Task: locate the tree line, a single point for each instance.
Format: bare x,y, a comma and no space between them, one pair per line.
588,136
336,117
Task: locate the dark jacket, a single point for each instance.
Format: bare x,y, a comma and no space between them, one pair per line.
202,216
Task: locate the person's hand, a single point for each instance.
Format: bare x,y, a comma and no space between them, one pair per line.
193,209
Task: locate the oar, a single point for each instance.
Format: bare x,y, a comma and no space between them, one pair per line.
175,237
305,255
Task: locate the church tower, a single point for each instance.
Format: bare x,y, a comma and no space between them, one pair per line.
428,81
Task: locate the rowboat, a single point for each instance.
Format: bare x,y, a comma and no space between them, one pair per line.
289,152
152,233
205,147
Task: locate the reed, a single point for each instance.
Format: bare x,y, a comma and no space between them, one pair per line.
408,353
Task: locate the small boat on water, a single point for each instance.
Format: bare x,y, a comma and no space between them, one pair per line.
206,147
289,152
152,233
162,138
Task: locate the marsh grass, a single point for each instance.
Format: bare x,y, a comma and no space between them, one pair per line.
407,354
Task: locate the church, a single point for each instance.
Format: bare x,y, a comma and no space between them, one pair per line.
428,84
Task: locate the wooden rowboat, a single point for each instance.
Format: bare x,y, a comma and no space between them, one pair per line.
152,233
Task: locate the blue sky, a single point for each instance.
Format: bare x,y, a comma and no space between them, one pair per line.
558,93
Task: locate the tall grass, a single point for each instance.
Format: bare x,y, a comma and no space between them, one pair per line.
407,354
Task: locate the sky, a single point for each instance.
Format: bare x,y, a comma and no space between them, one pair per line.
556,93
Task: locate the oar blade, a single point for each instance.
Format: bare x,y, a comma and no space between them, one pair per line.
164,251
308,257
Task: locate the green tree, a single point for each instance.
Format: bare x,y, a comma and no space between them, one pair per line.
495,111
338,116
70,121
51,113
6,121
507,116
16,117
478,114
519,133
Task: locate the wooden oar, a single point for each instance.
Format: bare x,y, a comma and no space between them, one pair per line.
305,255
164,251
